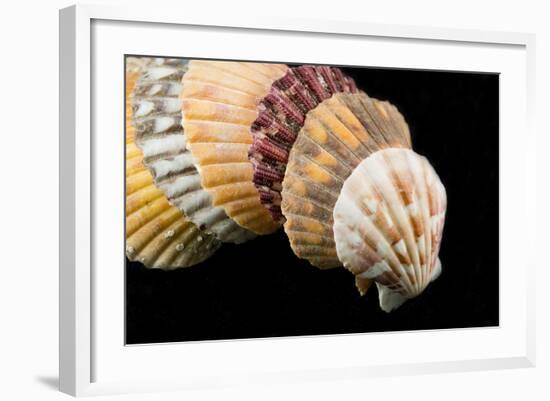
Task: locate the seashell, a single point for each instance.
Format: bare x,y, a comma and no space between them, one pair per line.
157,117
134,66
157,233
220,103
388,224
282,114
337,135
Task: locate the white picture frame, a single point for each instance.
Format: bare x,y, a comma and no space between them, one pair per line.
93,358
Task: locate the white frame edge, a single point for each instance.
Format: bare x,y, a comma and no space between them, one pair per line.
75,206
75,210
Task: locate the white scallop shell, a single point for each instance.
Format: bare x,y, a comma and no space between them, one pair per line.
388,224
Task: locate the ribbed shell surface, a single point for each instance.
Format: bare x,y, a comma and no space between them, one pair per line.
219,104
157,234
337,135
282,113
388,223
157,117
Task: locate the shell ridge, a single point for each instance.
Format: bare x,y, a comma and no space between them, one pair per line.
242,200
150,195
441,208
186,258
370,226
312,185
143,137
164,143
417,172
372,124
378,127
158,244
212,74
223,185
305,248
364,110
169,178
261,70
228,67
322,167
398,214
137,181
252,216
222,112
362,145
383,128
217,102
312,201
137,218
153,204
215,83
399,178
391,259
422,180
322,238
331,132
147,232
359,105
323,147
267,69
311,219
435,204
211,122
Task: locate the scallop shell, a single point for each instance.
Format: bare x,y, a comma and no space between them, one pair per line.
134,66
282,114
157,234
219,104
337,135
388,224
157,116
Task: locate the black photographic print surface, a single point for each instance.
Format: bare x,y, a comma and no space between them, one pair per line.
183,283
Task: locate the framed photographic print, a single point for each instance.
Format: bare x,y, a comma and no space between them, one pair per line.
239,204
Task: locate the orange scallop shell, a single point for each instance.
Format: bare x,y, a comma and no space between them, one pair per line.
219,104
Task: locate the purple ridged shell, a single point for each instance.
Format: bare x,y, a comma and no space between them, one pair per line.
282,114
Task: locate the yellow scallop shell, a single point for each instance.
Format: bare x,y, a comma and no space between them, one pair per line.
157,234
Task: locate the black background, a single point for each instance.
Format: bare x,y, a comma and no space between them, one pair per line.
260,289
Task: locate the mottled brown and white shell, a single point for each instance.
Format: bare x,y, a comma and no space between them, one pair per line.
388,224
282,113
219,105
337,135
157,117
157,233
